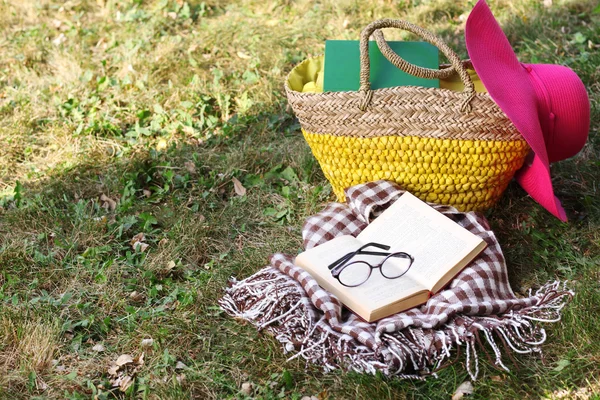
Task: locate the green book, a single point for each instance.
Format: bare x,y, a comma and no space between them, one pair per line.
342,65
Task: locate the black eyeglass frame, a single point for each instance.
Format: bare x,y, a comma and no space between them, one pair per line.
339,265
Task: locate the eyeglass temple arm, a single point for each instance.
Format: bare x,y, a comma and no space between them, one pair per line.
341,260
348,256
359,251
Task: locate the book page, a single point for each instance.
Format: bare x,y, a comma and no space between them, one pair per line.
379,291
319,257
375,293
436,243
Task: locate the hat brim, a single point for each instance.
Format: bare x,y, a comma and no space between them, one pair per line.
509,85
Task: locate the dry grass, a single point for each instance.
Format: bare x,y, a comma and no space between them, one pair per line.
28,346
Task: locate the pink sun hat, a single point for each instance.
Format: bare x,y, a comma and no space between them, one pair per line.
547,103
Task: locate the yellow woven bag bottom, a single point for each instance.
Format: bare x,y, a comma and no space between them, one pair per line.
467,174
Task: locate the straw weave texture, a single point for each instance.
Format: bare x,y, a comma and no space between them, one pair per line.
448,147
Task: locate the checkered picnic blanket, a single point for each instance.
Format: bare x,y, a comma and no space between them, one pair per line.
478,305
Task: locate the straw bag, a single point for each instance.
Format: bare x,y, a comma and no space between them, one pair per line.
450,145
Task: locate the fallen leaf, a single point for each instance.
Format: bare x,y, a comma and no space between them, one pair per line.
41,385
240,190
141,246
465,388
190,166
124,383
247,388
180,365
123,359
108,203
113,370
139,361
137,297
137,242
99,348
124,370
137,238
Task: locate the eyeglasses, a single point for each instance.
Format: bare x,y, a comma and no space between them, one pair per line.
352,274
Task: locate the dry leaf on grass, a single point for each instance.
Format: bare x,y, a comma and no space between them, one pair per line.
464,389
108,203
240,190
247,388
141,246
137,238
190,166
136,296
99,348
123,360
123,370
137,242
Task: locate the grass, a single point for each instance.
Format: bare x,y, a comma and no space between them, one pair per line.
128,117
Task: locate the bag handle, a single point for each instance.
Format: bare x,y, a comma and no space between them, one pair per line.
402,64
396,60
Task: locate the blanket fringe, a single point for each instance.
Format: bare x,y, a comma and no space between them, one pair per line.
273,301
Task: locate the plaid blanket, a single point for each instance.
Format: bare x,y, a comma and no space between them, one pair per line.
477,307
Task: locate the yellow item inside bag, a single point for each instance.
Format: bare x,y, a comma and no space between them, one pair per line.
307,77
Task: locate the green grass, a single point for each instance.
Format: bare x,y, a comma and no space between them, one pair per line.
157,105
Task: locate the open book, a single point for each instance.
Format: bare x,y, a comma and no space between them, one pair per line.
439,248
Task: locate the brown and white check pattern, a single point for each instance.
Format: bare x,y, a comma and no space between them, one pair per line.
478,303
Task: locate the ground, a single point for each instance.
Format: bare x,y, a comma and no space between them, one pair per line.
123,126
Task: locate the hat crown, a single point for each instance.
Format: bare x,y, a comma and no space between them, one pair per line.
563,109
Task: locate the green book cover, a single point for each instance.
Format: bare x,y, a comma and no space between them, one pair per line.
342,65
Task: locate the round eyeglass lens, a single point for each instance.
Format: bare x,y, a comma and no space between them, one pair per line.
355,273
396,265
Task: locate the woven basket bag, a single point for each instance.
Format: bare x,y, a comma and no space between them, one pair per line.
444,146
